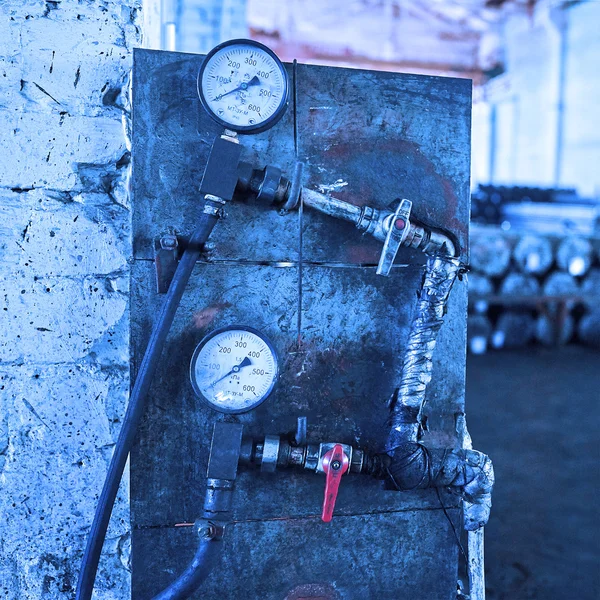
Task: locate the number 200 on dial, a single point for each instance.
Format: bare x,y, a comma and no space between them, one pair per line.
234,369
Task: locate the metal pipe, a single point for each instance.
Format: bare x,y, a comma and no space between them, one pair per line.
377,223
331,206
405,425
195,573
475,539
210,529
414,466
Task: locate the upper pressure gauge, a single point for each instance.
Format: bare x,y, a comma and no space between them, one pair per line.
234,369
243,86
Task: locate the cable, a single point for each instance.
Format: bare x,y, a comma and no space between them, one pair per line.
135,408
456,536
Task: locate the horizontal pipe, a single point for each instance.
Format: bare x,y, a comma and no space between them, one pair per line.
377,223
331,206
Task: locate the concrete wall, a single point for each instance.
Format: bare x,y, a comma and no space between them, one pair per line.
64,250
544,125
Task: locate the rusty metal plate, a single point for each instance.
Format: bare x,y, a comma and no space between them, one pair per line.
338,367
339,331
372,137
366,557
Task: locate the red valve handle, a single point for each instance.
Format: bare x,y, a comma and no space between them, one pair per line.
335,464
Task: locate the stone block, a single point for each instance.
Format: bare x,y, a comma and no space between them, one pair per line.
59,428
57,319
56,151
62,234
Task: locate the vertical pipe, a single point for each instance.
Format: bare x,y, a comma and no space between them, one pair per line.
476,564
170,37
475,539
561,20
493,125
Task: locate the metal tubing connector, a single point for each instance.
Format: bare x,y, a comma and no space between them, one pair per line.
267,185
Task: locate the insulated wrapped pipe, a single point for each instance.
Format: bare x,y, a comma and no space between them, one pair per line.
468,472
440,274
410,465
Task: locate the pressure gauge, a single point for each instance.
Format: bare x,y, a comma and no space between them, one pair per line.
243,86
234,369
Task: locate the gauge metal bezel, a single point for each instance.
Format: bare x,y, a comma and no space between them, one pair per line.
246,129
203,343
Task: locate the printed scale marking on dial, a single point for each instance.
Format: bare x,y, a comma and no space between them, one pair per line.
243,86
234,370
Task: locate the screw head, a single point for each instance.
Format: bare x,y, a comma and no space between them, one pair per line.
336,464
168,242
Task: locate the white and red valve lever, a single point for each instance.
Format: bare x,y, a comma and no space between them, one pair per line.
335,464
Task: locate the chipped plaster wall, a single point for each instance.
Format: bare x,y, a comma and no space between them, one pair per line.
64,251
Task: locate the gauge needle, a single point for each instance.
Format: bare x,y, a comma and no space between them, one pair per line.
245,363
243,86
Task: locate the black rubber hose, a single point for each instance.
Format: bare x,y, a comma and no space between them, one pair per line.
135,408
196,572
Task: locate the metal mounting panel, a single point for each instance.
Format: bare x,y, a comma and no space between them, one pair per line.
338,328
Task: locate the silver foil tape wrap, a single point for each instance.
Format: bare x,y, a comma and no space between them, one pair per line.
468,473
439,277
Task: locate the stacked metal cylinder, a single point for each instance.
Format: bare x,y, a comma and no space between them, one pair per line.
528,288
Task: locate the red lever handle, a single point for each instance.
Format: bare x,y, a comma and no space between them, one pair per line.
335,464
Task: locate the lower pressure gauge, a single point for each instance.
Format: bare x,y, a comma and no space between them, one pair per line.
243,86
234,369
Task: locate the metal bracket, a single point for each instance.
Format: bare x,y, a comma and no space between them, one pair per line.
166,254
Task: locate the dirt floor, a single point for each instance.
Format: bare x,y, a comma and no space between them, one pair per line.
537,414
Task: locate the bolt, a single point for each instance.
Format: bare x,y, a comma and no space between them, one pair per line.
336,464
168,242
207,531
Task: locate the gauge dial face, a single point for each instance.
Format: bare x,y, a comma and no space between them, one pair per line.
233,370
243,86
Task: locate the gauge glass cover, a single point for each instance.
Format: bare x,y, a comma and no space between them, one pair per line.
243,86
234,369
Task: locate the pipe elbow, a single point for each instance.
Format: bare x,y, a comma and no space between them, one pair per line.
477,492
469,473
